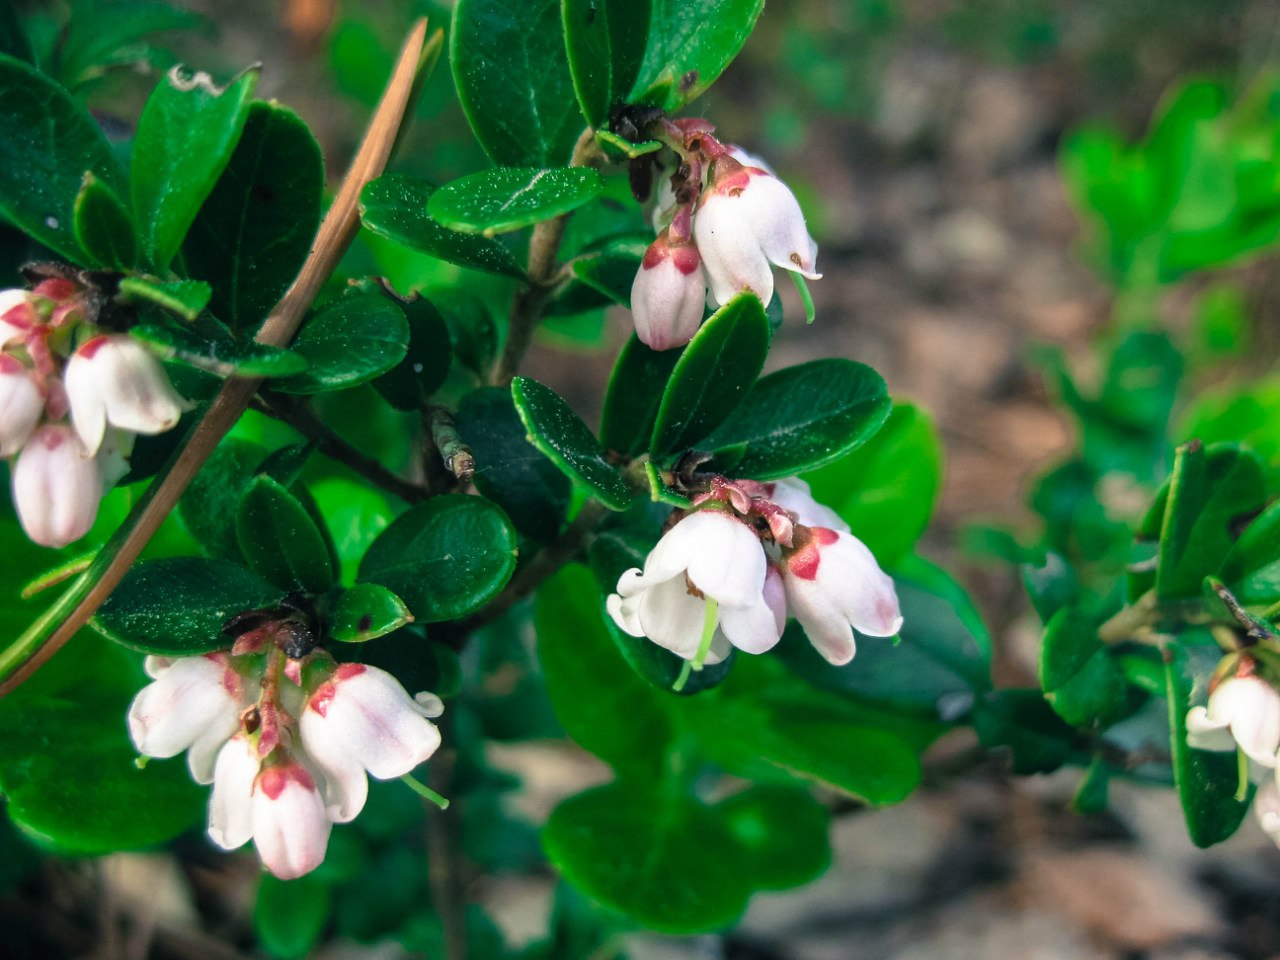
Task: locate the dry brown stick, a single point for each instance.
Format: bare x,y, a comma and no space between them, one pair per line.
335,234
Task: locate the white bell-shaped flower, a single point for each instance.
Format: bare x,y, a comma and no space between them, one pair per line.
834,586
361,719
231,802
290,825
21,404
115,380
1243,710
668,294
793,494
746,221
194,704
56,486
708,555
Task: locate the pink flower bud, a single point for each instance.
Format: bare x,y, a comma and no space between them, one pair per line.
290,826
834,585
362,719
668,294
17,318
747,220
114,379
21,404
56,487
194,704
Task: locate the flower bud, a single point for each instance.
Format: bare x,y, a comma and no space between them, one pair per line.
56,487
1243,710
114,379
361,719
21,404
668,294
290,826
231,803
16,316
747,220
834,585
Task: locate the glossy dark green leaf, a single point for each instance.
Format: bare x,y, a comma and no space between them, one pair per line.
658,856
601,702
355,514
689,46
1252,567
208,506
804,417
886,488
605,41
783,832
1206,781
395,206
254,231
1039,741
425,367
67,769
352,340
512,75
503,199
941,664
1080,679
290,915
48,142
186,135
220,354
185,298
445,558
634,395
280,539
562,436
1211,492
712,376
365,612
612,270
510,471
100,36
176,606
104,227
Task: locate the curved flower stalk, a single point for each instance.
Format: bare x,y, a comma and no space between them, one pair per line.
72,397
285,741
718,207
732,570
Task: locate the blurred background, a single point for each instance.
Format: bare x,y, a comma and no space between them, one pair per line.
930,143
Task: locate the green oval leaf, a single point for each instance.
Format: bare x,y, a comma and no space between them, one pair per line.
104,226
395,206
605,42
513,80
1206,781
352,340
186,135
562,436
783,832
634,395
208,506
1082,682
365,612
804,417
886,488
176,606
185,298
712,376
67,769
290,915
48,142
255,229
220,355
1252,568
509,470
508,198
445,558
689,46
425,367
280,539
658,856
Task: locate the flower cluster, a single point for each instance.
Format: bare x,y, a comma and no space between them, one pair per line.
286,742
1243,714
723,221
72,398
729,572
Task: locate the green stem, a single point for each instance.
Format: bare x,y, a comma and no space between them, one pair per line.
422,790
709,620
